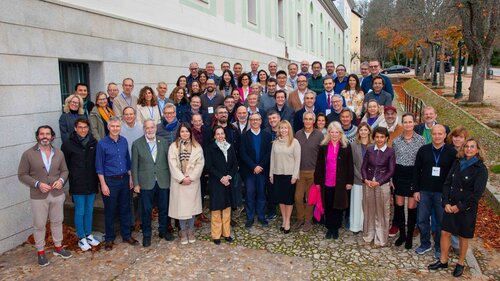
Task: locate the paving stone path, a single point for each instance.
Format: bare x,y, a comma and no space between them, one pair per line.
263,253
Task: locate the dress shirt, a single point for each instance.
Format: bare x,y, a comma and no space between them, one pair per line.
112,158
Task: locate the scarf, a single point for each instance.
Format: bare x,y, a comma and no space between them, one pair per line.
184,154
74,112
350,133
106,113
391,128
224,147
466,163
170,127
84,141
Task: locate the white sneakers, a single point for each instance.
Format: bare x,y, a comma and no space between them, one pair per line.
92,241
86,243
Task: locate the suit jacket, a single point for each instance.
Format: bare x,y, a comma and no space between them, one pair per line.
322,102
248,156
294,100
31,169
286,113
419,129
119,103
145,171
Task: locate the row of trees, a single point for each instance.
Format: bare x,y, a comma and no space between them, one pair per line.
412,30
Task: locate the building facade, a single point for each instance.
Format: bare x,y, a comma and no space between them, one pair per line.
47,46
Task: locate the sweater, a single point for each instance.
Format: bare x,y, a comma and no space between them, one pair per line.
424,164
309,148
285,159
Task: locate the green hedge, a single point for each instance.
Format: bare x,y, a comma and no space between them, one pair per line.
453,116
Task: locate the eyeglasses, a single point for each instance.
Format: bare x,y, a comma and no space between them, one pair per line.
75,103
301,81
170,113
469,146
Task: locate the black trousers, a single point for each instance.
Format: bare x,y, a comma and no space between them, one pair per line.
333,217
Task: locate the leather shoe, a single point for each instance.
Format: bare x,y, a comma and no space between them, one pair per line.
286,231
167,235
203,218
146,242
217,241
459,270
108,245
437,265
229,239
131,241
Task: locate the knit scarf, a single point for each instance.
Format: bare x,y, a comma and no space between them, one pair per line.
350,133
184,154
171,126
106,113
223,146
466,163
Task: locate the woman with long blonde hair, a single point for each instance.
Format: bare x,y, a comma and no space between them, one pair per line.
284,171
334,156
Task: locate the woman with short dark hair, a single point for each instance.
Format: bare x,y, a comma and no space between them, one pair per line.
376,171
222,165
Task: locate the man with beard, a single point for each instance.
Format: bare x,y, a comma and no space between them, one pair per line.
229,103
391,123
330,70
267,100
241,123
151,177
210,100
304,69
43,169
337,109
169,124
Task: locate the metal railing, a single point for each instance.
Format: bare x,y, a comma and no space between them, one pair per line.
413,105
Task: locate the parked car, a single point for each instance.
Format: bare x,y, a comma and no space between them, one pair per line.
396,69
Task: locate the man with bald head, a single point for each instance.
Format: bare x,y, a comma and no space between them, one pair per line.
424,129
432,164
304,69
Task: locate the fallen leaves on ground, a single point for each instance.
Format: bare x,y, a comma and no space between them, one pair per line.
488,226
70,239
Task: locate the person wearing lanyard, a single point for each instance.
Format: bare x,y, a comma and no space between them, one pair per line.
147,106
210,100
293,68
151,177
126,98
432,164
113,169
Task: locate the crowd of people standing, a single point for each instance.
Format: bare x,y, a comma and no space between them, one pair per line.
331,145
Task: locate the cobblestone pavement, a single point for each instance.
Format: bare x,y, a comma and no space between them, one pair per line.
263,253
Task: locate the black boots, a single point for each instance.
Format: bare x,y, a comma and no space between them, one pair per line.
399,221
412,219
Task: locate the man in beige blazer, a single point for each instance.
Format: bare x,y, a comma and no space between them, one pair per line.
296,97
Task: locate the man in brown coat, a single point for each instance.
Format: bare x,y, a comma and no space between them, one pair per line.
43,169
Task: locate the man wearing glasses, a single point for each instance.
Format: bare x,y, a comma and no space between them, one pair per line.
193,73
374,65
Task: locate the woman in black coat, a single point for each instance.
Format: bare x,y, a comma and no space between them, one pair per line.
221,164
79,152
462,190
334,189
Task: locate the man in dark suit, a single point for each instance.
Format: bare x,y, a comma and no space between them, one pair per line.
324,100
151,177
309,101
255,151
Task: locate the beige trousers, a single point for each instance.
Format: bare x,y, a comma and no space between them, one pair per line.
221,223
304,210
376,210
53,209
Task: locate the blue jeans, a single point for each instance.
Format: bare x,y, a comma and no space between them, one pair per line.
430,201
118,199
84,209
147,203
255,199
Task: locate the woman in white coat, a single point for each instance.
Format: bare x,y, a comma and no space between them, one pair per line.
186,162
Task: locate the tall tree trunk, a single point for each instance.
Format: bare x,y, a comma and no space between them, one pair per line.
428,66
476,92
441,69
406,61
416,63
466,67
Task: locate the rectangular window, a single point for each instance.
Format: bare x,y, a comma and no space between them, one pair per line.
330,49
312,37
281,19
299,29
252,11
71,73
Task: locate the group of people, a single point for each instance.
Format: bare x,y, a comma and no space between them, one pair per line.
330,145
